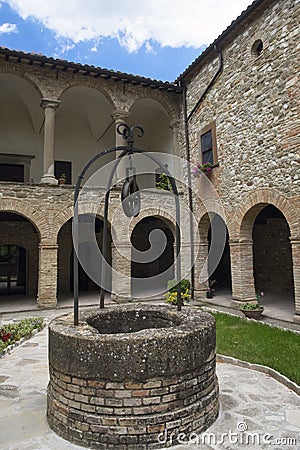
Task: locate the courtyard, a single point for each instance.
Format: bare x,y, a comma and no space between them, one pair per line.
256,410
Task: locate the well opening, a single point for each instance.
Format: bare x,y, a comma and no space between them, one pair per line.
115,322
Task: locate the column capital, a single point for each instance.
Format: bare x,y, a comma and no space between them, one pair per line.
50,103
48,246
120,115
174,124
233,242
295,240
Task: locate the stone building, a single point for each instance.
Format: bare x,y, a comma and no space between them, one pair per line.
236,106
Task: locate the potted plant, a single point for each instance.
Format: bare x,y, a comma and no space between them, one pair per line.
211,292
253,310
205,168
163,182
171,295
62,178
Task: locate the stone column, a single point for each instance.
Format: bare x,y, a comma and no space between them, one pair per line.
185,253
243,287
121,273
295,243
175,164
120,117
47,278
50,106
201,270
174,124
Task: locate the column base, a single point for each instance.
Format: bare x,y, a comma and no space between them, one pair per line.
200,295
296,318
48,179
47,304
119,298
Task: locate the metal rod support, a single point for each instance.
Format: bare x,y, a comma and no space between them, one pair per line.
126,150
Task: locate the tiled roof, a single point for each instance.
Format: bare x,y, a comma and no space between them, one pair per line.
96,72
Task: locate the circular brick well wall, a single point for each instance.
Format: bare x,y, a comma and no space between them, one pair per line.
129,376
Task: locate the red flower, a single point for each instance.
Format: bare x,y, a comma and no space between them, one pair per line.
5,337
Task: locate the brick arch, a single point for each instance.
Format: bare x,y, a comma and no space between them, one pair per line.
246,213
16,69
151,212
88,83
67,213
204,221
37,218
61,218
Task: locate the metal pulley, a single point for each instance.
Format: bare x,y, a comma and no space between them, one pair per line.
131,196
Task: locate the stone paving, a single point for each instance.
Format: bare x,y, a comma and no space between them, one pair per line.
256,410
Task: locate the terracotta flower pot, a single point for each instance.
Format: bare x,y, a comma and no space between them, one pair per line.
253,313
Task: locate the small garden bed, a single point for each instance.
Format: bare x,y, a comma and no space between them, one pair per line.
12,333
259,343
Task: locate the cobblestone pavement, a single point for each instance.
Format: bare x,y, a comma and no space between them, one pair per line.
257,412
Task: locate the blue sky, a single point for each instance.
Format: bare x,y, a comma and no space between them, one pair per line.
152,38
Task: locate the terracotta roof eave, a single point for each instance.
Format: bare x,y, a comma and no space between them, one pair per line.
245,14
88,70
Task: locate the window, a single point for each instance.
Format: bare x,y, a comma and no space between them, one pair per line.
15,167
12,172
257,48
208,144
65,167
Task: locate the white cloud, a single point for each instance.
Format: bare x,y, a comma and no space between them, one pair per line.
175,23
8,28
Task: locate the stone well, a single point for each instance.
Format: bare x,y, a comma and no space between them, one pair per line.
129,374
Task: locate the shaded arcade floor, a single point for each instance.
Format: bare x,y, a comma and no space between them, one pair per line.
276,307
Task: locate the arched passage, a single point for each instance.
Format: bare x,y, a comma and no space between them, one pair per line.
65,257
152,257
213,265
220,270
272,255
13,269
19,241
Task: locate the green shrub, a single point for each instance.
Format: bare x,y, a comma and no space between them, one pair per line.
171,295
184,285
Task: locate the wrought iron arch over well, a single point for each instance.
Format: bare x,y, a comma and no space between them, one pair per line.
131,203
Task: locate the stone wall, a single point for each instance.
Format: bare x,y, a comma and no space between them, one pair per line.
255,104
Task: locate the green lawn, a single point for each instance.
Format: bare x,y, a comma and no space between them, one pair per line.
259,343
